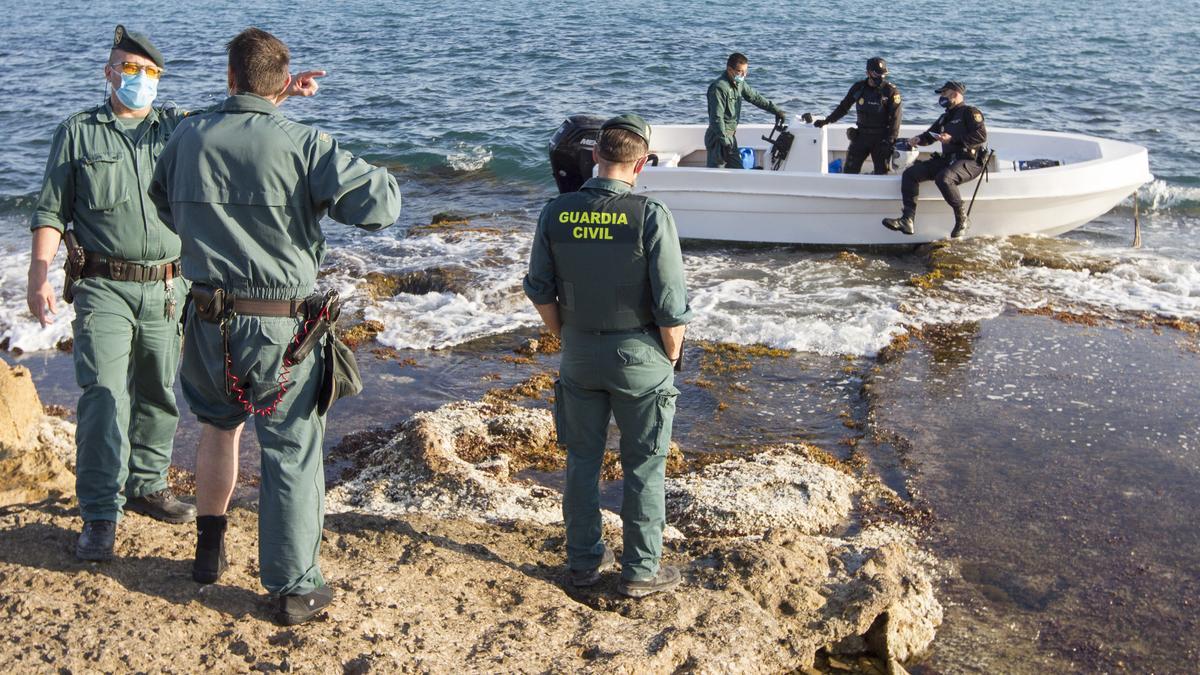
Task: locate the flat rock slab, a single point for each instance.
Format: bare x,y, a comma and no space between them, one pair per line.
780,488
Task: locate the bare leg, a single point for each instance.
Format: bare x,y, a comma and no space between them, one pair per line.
216,468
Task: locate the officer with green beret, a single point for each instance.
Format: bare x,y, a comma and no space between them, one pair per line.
246,188
606,272
124,280
725,96
126,289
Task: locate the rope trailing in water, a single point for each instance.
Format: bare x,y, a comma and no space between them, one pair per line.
1137,223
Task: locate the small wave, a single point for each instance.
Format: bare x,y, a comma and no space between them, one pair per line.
1160,195
469,157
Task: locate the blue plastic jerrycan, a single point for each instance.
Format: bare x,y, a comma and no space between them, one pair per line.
835,166
747,158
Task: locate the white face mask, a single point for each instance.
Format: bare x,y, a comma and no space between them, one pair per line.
137,91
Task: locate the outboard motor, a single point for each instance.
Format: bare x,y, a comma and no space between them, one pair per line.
903,155
571,151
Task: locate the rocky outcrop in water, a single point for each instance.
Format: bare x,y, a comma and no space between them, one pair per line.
445,558
764,590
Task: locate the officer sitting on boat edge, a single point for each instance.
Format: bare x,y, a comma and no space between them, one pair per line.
606,271
725,95
963,134
877,104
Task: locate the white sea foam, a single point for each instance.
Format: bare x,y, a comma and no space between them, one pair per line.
469,157
782,297
17,325
1160,195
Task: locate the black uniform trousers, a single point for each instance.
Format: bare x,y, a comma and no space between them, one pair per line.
947,174
869,143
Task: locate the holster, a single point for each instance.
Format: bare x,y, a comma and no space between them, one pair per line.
76,258
320,313
209,302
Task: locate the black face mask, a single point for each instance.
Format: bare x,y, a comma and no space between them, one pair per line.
943,101
875,79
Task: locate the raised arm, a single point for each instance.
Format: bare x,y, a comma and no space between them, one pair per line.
349,189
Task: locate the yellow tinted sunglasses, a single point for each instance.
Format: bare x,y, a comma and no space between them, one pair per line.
153,72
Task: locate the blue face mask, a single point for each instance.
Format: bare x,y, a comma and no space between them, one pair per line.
738,79
137,91
943,101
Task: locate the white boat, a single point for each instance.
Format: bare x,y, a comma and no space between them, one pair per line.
802,202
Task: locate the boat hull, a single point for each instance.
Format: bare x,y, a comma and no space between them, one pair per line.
815,207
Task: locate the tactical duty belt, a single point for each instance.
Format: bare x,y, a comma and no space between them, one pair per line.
96,265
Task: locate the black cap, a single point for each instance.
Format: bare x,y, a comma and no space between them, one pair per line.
136,43
952,84
877,65
629,122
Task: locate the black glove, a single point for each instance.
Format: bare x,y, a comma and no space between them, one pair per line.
820,123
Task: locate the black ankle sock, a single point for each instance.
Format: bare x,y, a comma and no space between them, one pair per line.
210,531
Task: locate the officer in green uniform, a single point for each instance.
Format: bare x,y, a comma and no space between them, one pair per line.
246,189
606,271
725,96
126,290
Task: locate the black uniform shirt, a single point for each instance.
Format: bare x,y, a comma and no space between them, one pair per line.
967,132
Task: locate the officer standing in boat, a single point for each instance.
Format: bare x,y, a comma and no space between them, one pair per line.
725,96
246,188
124,281
877,103
606,272
962,133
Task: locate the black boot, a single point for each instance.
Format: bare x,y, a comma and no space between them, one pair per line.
210,560
902,224
667,579
961,222
164,506
296,609
96,540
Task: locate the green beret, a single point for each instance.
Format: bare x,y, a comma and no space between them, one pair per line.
629,122
136,43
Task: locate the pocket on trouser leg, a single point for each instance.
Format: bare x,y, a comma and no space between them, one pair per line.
664,419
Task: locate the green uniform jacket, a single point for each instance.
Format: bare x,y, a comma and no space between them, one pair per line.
246,188
99,179
725,107
659,245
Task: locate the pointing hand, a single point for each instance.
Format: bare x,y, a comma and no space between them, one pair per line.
305,84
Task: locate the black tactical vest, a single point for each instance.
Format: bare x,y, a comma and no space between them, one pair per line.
872,104
600,264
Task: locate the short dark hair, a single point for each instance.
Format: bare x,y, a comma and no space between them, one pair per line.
736,60
621,146
259,62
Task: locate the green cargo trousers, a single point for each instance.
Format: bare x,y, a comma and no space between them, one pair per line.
291,494
126,353
626,376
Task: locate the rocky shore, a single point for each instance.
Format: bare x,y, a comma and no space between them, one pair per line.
447,556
